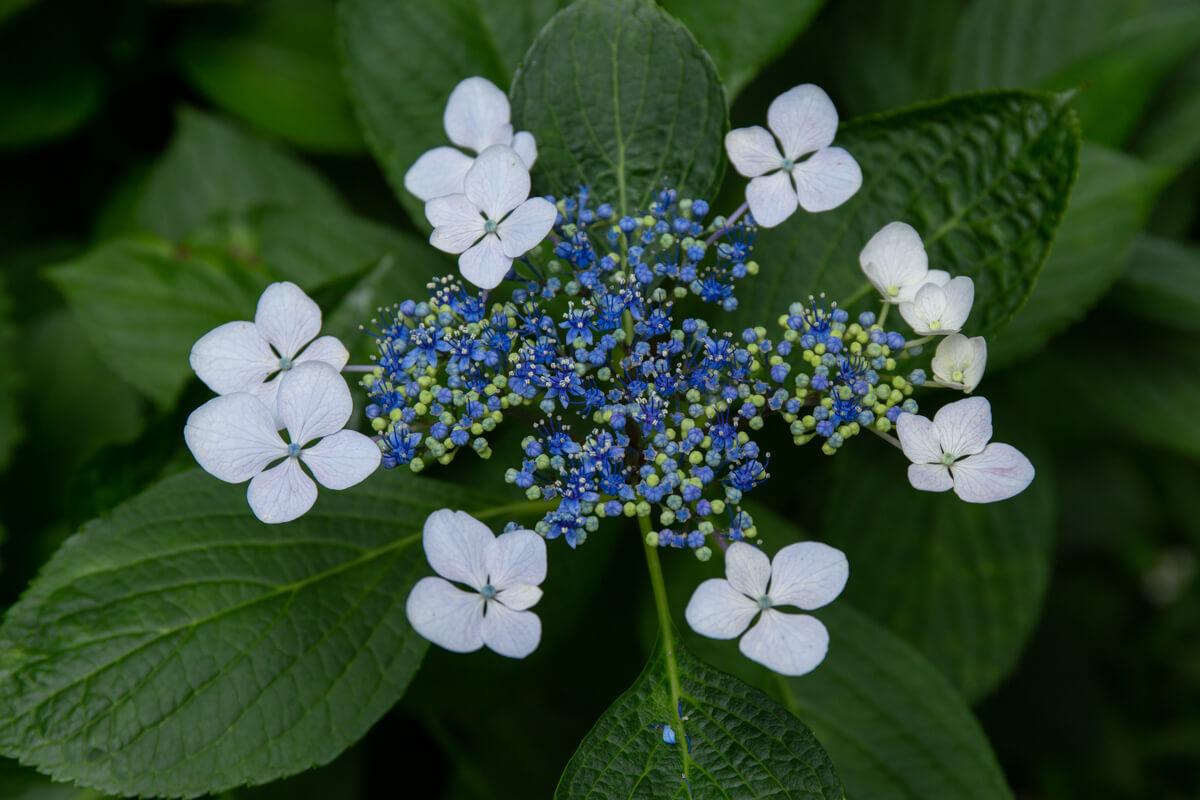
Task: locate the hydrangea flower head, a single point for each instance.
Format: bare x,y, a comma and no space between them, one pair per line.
804,122
503,573
807,575
252,357
494,220
952,451
477,116
234,438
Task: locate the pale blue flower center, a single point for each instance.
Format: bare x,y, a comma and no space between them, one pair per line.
489,226
293,449
488,591
788,163
764,602
285,363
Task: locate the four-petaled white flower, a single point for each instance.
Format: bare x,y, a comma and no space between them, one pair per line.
241,356
804,121
807,575
959,362
477,117
952,451
492,222
503,572
234,438
895,262
937,310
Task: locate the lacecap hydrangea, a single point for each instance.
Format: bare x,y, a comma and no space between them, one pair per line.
565,319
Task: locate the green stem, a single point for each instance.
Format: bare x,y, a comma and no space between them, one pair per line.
666,630
858,294
883,312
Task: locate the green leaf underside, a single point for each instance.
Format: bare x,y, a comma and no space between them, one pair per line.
620,97
961,582
742,43
10,428
744,744
401,61
180,647
278,69
213,169
983,178
1162,283
893,725
1109,204
144,304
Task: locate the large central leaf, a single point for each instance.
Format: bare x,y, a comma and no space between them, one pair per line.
736,741
621,97
180,646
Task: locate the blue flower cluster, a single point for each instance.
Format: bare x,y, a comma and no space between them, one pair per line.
643,411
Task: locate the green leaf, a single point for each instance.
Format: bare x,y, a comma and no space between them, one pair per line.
983,178
10,423
1170,134
143,304
961,582
401,61
179,646
893,725
274,64
1117,56
894,64
214,170
742,43
313,247
1112,198
514,25
1161,284
743,744
1158,393
620,97
111,411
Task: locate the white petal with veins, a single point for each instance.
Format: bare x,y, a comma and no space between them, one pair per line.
804,120
287,318
827,179
771,198
790,644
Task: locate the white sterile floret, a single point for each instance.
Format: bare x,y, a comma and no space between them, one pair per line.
936,310
492,222
503,573
804,122
895,262
477,116
807,575
959,362
234,438
241,356
952,451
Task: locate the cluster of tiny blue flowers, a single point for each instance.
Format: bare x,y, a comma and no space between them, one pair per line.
639,411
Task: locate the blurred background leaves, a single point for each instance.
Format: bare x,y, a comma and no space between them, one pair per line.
162,151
